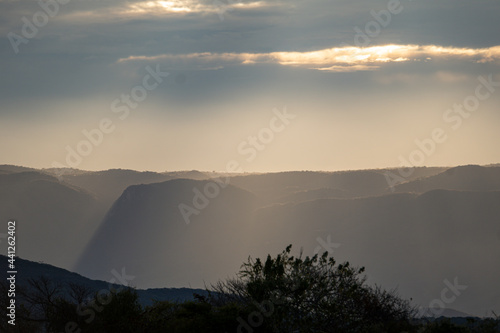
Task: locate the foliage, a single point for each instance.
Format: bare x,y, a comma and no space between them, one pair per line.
313,294
280,294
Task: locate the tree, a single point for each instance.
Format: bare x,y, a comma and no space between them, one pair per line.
121,313
190,316
51,305
312,294
22,324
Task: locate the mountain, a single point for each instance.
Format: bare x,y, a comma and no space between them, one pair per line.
439,227
117,279
192,174
442,312
464,178
413,242
307,185
108,185
7,168
146,232
308,195
405,240
54,220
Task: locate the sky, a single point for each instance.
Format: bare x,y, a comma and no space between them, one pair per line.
250,86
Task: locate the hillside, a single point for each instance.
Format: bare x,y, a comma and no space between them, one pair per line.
307,185
463,178
50,216
412,242
117,279
146,232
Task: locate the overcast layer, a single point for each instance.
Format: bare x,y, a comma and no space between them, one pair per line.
362,83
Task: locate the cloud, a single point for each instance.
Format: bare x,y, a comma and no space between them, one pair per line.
339,59
161,9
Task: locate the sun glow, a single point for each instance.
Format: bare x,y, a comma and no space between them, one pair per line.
152,7
174,6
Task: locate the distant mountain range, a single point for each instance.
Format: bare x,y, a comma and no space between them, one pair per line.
187,229
463,178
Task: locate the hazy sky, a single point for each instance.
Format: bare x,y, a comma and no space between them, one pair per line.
272,85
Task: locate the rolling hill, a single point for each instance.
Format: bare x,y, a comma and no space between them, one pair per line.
117,280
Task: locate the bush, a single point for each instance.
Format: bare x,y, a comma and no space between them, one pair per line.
312,295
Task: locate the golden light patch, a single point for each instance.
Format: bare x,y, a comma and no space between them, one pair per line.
339,59
156,7
250,5
174,6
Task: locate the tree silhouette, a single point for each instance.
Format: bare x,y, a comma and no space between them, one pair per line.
312,294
